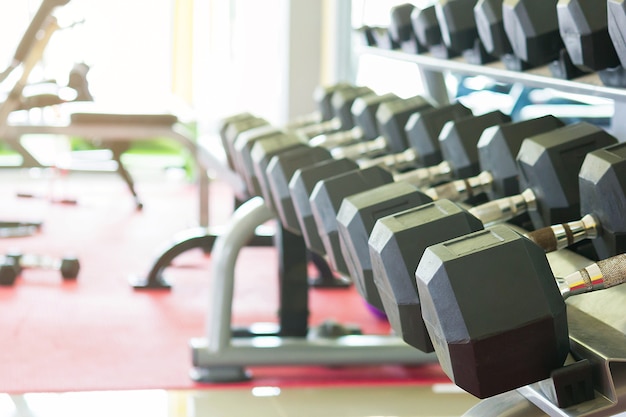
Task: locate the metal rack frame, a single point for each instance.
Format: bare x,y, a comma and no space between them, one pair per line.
223,356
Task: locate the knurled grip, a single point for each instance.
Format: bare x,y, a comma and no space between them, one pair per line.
544,238
614,270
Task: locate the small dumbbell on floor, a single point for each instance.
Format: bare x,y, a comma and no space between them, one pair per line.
15,262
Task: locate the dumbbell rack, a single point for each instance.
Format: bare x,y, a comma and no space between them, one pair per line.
540,77
597,326
223,354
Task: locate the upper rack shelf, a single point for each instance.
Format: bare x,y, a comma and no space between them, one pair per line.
540,77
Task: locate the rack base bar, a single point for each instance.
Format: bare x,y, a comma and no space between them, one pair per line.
351,350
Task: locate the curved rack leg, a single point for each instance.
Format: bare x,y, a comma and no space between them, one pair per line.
216,358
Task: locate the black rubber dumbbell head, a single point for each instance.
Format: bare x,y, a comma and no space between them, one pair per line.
261,154
280,171
326,199
396,245
301,187
241,147
392,117
493,312
232,130
401,29
355,220
458,28
70,267
428,32
549,165
323,95
533,30
364,111
616,10
342,101
423,129
8,273
584,29
490,26
602,183
459,139
498,148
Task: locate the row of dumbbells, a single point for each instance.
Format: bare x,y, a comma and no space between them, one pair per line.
13,263
413,212
573,37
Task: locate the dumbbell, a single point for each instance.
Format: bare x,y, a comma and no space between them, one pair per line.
490,26
554,157
602,204
616,10
68,266
459,30
497,150
533,29
358,213
583,26
328,194
495,312
428,32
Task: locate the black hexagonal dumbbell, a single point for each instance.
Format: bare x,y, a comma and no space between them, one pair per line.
558,163
490,26
616,11
459,31
328,194
583,26
428,32
533,30
497,150
602,204
494,311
